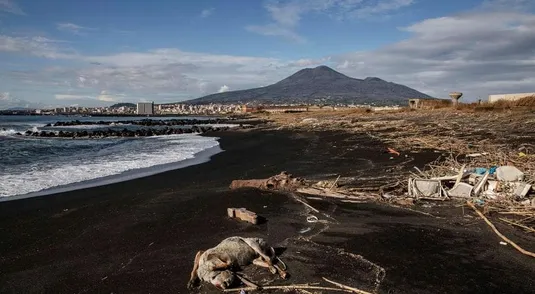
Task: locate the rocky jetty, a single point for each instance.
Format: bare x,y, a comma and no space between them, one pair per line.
147,132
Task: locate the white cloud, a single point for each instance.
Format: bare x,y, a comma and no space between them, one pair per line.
105,96
286,15
223,89
72,28
276,31
463,52
207,12
10,6
36,46
5,96
72,97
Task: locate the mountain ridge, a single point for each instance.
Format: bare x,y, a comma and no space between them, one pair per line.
322,85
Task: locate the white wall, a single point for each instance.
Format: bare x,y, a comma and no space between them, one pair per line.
511,97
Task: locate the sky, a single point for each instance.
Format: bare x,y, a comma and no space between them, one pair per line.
98,52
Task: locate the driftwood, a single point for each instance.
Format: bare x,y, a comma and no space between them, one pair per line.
326,192
342,288
288,287
354,290
522,250
282,181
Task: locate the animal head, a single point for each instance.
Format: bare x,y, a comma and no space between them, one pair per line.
222,279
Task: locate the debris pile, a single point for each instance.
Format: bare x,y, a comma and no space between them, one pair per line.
493,182
501,183
282,182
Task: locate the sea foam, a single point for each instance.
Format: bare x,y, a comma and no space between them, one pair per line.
140,154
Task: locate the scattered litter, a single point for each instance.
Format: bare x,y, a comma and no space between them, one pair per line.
509,173
309,120
393,151
503,243
312,219
480,170
425,189
462,190
477,154
305,230
480,184
522,189
243,214
522,154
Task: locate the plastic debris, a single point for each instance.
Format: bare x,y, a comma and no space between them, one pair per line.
462,190
312,219
509,173
430,189
522,189
393,151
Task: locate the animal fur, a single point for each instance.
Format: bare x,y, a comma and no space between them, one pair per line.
217,265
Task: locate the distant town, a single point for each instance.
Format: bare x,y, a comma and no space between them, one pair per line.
152,109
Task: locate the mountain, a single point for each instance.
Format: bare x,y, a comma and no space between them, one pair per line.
130,105
320,85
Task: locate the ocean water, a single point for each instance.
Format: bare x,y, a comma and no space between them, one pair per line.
33,166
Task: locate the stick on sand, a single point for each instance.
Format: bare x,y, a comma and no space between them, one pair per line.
354,290
528,253
289,287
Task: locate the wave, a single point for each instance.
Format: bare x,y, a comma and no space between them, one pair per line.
8,132
136,155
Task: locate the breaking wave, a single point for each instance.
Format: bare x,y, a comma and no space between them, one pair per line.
51,163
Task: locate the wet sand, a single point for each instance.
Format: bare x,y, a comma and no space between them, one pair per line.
141,236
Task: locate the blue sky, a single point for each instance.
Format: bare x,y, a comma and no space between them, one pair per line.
64,52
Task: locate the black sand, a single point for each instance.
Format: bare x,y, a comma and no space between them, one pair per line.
141,236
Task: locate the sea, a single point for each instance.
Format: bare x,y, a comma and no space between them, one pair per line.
35,166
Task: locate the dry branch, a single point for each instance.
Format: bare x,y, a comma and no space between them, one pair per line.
523,251
354,290
298,287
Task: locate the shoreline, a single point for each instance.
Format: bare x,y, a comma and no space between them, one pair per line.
141,235
199,158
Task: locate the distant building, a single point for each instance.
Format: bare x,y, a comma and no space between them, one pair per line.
145,108
509,97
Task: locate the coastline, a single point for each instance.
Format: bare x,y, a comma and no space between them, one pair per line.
141,235
199,158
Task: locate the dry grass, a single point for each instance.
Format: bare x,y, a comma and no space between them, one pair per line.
525,103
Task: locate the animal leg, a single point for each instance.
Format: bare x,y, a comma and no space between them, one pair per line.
194,279
256,247
272,268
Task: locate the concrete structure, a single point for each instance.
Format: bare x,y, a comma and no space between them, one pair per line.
423,103
145,108
509,97
247,108
455,96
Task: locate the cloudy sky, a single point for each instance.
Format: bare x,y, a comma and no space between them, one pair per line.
81,52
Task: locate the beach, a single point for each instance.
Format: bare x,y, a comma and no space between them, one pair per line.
141,236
